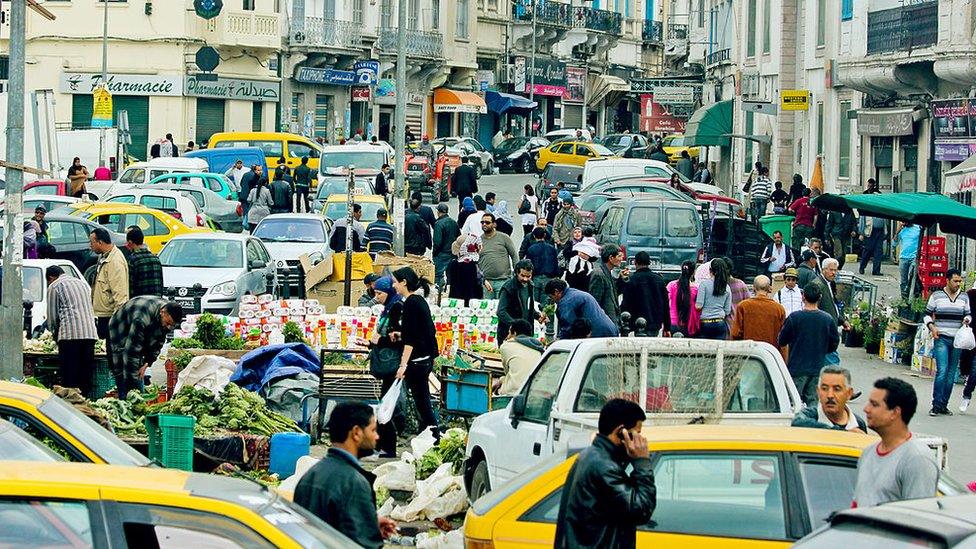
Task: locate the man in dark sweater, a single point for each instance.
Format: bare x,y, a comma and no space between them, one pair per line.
545,261
416,233
810,334
515,300
281,193
463,182
645,296
303,182
446,231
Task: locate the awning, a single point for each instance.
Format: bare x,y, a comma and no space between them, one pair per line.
889,122
607,87
962,178
446,100
500,102
925,209
710,125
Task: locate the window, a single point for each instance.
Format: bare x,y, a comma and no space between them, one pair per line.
198,197
386,14
750,124
767,15
330,10
36,523
680,223
322,109
149,224
256,116
413,14
125,199
4,67
168,527
846,10
462,19
609,377
844,157
751,30
644,222
612,223
701,13
728,495
214,184
134,176
195,181
565,148
66,232
583,150
158,202
543,386
435,14
249,5
821,20
42,189
685,383
297,149
820,127
828,487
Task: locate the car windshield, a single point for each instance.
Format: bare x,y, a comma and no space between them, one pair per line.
566,174
16,445
105,444
601,150
337,210
339,161
33,284
339,185
205,253
290,230
512,144
618,140
672,141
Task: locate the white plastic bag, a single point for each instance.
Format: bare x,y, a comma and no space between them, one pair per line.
396,475
421,443
388,404
964,339
206,372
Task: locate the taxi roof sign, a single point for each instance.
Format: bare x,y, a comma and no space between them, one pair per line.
794,100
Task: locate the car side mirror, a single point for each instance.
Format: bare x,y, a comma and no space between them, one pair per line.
518,408
257,264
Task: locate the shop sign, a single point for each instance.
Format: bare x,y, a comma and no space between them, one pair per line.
575,83
674,95
101,108
794,100
658,118
366,72
550,78
360,94
954,152
954,118
85,83
312,75
486,80
386,87
233,88
416,99
885,123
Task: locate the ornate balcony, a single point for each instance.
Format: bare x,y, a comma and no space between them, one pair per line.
419,43
244,29
329,33
608,22
903,28
653,32
718,57
554,14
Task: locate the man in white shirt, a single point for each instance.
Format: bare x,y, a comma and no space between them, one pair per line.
236,173
777,255
789,296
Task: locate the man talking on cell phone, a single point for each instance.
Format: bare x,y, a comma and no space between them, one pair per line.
601,504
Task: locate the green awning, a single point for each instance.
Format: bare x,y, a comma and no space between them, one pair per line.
925,209
710,125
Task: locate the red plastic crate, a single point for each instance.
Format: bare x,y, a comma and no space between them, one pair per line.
940,266
933,281
935,245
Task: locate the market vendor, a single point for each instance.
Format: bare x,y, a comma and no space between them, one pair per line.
137,332
71,321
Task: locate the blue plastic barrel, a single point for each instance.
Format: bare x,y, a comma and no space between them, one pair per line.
286,448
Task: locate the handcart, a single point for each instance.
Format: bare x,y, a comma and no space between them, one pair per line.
466,386
338,382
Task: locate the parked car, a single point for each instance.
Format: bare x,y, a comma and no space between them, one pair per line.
605,168
366,159
85,505
592,205
481,158
571,152
274,144
157,226
627,145
730,486
48,201
554,174
568,134
221,159
16,445
46,187
334,207
519,153
223,215
675,380
338,184
218,183
674,144
288,236
68,235
47,417
944,522
144,172
35,284
175,204
218,268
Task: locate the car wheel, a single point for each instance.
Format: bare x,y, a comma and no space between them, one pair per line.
480,485
525,166
491,168
477,171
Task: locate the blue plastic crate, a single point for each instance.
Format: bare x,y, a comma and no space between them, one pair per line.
467,392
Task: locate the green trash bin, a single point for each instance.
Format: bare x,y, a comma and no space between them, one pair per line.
777,222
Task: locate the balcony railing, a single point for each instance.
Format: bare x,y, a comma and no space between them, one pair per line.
246,29
609,22
555,14
318,31
677,31
423,43
720,56
903,28
653,32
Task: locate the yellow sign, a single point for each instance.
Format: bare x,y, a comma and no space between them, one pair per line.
101,108
794,100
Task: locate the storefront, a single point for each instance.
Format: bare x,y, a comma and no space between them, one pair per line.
222,103
892,138
546,85
954,130
608,98
318,101
457,112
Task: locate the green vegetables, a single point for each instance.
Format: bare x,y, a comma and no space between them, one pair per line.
181,359
126,416
292,333
186,343
235,409
450,449
210,330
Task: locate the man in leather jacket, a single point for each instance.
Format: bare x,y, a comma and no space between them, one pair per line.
337,489
601,504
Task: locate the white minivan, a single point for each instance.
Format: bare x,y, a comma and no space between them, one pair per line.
140,173
596,169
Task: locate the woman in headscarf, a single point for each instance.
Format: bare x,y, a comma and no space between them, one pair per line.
467,208
384,357
472,225
503,220
77,175
261,202
579,268
463,275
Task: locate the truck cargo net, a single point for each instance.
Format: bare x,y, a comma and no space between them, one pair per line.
701,384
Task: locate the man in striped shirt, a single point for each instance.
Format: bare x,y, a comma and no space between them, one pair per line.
947,312
379,234
71,319
759,192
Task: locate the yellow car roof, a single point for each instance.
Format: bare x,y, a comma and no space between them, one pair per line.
745,434
89,475
359,198
102,207
23,391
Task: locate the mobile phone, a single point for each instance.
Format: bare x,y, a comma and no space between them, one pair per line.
621,432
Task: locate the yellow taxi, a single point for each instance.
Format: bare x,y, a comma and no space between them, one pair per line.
48,418
275,145
570,152
674,144
158,226
334,207
84,505
717,486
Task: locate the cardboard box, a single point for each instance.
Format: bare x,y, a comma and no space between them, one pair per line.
386,262
330,294
362,265
778,282
320,272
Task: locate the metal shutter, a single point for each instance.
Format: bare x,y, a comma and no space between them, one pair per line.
572,116
257,111
138,109
210,118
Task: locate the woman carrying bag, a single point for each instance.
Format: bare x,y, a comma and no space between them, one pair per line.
419,345
385,350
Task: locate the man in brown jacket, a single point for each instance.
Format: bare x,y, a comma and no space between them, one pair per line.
111,288
759,318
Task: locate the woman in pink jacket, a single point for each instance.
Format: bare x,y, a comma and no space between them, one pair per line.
681,297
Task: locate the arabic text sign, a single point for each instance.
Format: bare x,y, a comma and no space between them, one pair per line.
885,124
85,83
101,108
312,75
674,95
234,88
954,118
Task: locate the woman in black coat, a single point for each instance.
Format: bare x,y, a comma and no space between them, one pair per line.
385,352
419,345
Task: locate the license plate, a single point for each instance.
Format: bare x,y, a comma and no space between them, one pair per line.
191,305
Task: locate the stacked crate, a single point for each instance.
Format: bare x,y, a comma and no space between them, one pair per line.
933,264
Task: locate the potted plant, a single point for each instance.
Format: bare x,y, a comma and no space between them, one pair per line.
856,318
874,330
911,310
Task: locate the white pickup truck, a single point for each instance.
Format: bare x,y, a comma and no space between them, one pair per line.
675,380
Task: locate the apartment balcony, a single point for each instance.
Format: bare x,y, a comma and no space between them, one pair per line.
555,14
318,32
718,57
428,44
608,22
243,29
904,28
653,32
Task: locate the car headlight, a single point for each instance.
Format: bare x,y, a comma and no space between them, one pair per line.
228,289
515,155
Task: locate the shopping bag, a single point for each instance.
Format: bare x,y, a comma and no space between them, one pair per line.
388,404
964,339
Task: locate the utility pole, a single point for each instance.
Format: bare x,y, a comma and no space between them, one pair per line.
535,14
12,305
400,123
102,145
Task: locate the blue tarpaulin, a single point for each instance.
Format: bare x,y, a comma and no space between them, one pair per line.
500,102
261,366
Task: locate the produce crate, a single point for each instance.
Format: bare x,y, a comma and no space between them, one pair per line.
935,245
934,265
171,378
171,440
467,392
103,381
